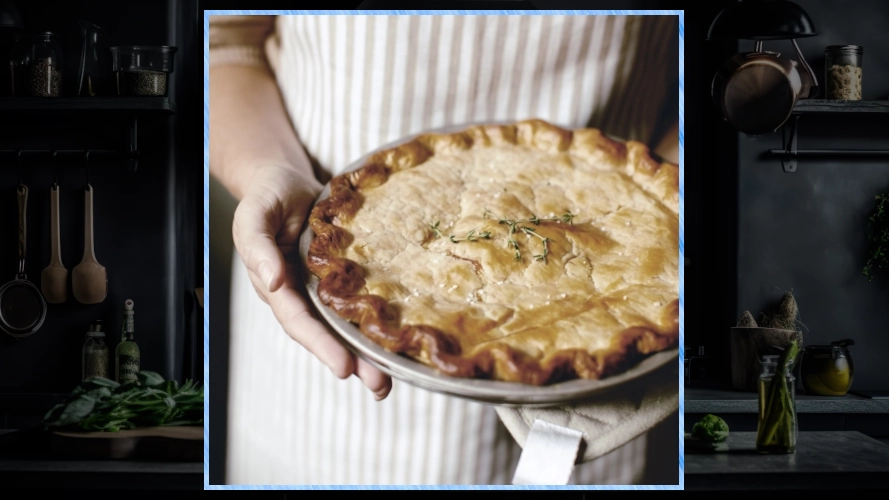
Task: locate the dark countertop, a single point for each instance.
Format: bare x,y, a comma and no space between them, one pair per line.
833,459
39,470
707,400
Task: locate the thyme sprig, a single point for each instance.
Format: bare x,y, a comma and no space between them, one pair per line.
567,217
435,229
472,236
514,227
529,231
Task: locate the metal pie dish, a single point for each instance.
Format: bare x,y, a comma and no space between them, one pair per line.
496,392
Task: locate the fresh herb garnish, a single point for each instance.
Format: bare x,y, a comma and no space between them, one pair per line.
472,236
528,230
435,229
514,227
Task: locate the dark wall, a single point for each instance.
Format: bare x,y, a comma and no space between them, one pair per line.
147,223
711,186
806,230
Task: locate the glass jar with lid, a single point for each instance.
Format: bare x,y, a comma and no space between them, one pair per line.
94,355
777,429
142,70
44,75
842,67
827,370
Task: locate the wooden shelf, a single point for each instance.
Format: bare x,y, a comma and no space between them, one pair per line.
109,103
824,106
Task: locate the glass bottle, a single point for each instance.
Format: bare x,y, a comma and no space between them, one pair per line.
127,357
777,428
45,66
11,45
94,355
90,80
20,62
842,67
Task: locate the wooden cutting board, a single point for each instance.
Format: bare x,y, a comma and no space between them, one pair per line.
182,444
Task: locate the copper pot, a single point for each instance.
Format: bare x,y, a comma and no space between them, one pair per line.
756,91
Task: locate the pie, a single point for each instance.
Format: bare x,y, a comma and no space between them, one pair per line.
523,253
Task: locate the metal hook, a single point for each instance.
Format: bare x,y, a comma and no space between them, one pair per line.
19,162
55,172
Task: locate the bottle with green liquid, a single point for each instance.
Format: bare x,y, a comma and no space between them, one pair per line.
126,356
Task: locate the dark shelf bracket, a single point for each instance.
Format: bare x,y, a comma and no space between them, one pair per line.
790,153
789,162
131,146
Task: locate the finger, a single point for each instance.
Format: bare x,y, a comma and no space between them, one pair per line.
296,318
378,382
254,238
258,286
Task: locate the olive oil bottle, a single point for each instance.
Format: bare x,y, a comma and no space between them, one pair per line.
126,356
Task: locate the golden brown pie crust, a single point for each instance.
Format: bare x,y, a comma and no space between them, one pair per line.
642,180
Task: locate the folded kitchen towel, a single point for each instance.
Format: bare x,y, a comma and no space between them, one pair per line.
609,421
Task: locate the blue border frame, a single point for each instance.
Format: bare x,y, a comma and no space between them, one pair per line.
681,15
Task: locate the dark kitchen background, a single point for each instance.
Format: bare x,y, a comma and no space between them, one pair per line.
147,214
752,229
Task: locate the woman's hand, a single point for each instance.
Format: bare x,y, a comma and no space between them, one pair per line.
266,230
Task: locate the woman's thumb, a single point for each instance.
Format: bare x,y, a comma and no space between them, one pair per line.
255,240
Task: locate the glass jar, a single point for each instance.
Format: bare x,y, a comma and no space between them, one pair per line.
777,429
842,67
142,70
44,75
94,355
827,370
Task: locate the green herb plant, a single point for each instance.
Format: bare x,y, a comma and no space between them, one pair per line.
100,404
878,235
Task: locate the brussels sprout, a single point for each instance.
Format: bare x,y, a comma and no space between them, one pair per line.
711,428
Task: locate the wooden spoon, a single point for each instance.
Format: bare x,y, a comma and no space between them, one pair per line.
54,279
89,279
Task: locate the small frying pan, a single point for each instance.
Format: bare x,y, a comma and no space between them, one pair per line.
22,306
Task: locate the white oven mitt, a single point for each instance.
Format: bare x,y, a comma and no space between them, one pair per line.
604,424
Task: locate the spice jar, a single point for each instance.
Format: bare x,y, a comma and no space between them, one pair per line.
142,70
94,353
44,75
842,66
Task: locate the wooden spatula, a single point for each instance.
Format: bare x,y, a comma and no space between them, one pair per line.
54,279
89,278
